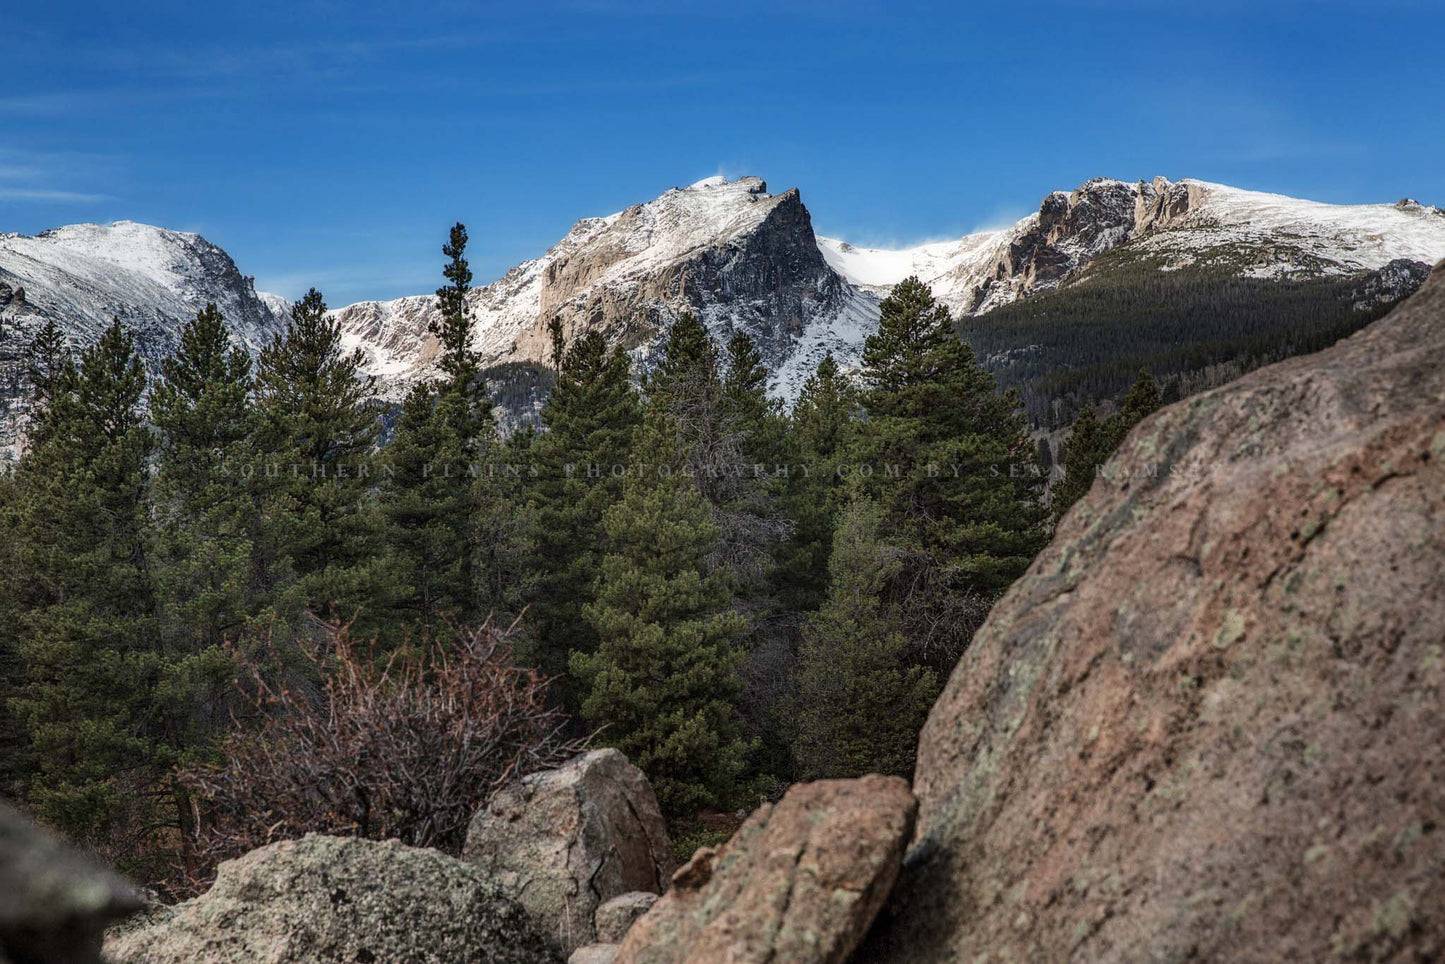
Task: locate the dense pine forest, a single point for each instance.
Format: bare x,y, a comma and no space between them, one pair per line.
247,601
1193,327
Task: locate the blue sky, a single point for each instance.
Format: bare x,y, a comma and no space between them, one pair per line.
332,143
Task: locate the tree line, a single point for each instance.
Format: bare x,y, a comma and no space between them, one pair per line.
1085,342
735,595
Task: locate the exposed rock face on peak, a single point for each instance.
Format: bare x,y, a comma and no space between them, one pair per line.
338,899
1207,723
1175,224
564,842
798,882
740,258
1070,229
54,903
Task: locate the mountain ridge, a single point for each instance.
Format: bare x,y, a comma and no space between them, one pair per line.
739,257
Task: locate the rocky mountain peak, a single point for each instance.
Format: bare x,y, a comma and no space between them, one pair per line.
727,250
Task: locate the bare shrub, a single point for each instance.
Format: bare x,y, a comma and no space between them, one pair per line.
407,747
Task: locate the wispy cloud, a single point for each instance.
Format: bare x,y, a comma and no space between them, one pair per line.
48,194
51,177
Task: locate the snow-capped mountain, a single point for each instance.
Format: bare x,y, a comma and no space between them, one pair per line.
737,256
1184,224
741,258
152,279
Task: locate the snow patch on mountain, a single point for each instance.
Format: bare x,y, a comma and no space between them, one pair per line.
84,275
153,279
1298,237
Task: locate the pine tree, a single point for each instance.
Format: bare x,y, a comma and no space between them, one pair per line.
318,431
203,538
464,395
205,509
426,503
1142,401
14,752
665,672
747,407
47,364
1085,450
449,517
591,416
951,463
84,600
50,371
687,376
822,428
1091,442
860,704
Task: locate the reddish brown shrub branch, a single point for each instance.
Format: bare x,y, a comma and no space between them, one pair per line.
408,747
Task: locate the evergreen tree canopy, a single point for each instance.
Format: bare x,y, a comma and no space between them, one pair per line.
205,509
48,364
665,673
463,399
821,437
318,430
946,455
860,704
590,417
1085,450
84,602
1091,442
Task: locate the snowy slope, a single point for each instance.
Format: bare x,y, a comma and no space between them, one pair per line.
739,257
733,254
951,268
152,279
1312,237
86,274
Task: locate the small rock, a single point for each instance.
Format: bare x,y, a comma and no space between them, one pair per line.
594,954
564,841
616,915
799,882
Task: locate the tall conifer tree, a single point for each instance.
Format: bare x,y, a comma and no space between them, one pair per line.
205,506
590,416
949,459
665,673
860,700
822,428
318,430
85,603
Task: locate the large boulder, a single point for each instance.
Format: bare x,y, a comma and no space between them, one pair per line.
564,841
335,899
799,882
54,903
1207,723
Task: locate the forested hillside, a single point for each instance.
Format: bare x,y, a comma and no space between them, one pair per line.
244,600
1130,310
